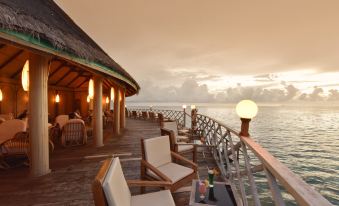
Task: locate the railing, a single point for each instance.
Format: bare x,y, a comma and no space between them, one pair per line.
241,160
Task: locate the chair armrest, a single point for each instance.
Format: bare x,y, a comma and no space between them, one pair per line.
183,159
165,131
156,171
145,183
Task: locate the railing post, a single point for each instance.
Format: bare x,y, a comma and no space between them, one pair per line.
237,168
250,176
274,188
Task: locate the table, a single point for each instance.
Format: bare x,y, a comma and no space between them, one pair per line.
222,194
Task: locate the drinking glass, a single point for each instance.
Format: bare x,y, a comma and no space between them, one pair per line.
211,177
202,191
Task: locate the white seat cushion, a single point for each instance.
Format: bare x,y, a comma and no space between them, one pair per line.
115,186
171,126
182,148
157,150
9,128
163,198
180,138
61,120
173,171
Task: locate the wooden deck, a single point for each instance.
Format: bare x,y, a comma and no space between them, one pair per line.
74,169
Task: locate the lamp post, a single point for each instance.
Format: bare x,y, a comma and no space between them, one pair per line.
0,99
184,108
193,117
57,100
107,103
246,110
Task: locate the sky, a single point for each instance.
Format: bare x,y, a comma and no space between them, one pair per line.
219,50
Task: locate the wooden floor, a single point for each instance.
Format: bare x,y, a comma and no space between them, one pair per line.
74,169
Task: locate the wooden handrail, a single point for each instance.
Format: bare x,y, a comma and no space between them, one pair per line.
300,190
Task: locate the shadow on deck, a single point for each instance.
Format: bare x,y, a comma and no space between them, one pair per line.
74,169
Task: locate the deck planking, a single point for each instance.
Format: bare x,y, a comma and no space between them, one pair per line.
69,182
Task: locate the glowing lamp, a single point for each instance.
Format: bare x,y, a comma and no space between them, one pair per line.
184,106
88,99
91,89
1,96
246,109
57,98
107,100
192,106
25,76
112,93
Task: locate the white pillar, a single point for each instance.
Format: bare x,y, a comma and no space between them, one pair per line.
122,110
97,112
116,127
38,114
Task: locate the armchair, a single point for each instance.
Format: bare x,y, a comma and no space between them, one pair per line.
111,188
157,163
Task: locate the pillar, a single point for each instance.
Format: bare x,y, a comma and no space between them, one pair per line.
97,112
116,125
38,114
122,110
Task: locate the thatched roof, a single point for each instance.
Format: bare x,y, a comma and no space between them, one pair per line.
47,22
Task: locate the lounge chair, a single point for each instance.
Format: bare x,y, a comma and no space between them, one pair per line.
157,163
111,188
74,133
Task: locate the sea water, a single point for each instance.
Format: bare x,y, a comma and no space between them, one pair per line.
305,138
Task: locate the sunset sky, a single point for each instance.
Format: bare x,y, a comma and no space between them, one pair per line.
219,50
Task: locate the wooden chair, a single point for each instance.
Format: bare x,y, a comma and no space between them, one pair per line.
162,119
179,147
74,133
157,163
134,114
152,116
144,115
174,127
111,188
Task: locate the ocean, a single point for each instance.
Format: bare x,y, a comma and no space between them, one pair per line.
305,138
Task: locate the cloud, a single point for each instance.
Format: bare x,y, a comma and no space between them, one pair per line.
192,91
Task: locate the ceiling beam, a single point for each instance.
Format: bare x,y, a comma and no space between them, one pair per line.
11,59
2,46
77,76
57,69
64,76
86,80
18,71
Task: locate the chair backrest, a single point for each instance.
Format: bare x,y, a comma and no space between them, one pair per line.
171,126
157,150
9,128
74,131
61,120
110,186
7,116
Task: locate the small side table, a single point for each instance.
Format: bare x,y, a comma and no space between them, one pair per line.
221,194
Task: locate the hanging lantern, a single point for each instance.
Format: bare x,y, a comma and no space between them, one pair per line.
91,89
25,76
57,98
107,100
112,93
88,99
0,95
